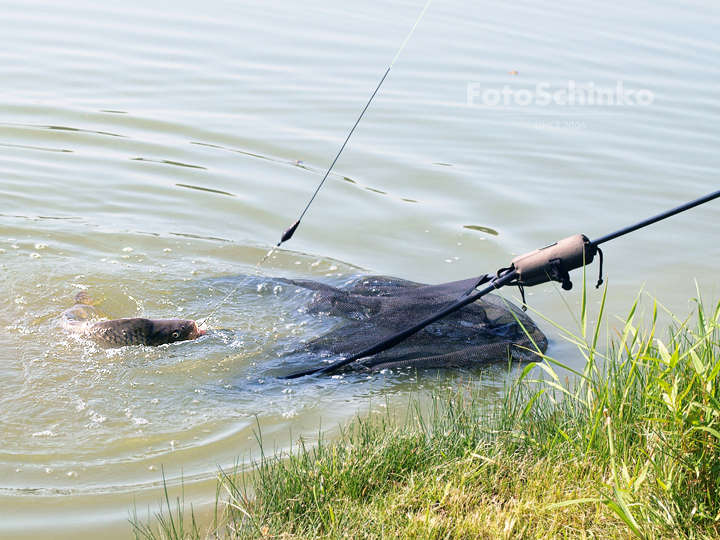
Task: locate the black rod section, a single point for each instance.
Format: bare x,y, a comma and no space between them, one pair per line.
468,298
655,219
288,234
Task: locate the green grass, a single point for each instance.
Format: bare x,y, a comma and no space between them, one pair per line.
629,449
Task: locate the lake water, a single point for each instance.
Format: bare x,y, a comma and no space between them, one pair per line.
151,153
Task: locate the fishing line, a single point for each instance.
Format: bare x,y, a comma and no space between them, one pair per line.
203,324
289,232
287,235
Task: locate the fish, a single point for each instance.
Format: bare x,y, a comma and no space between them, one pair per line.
85,319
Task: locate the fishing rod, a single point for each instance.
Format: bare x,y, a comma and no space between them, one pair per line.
663,215
287,235
553,262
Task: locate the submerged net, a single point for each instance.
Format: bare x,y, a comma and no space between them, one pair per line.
374,308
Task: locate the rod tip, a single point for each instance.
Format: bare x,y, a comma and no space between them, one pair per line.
287,235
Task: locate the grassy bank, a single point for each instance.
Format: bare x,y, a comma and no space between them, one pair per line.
629,449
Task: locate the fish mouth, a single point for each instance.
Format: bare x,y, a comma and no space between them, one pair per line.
196,332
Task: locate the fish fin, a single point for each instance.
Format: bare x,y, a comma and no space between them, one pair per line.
83,298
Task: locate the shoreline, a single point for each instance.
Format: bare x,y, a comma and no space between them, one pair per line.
629,449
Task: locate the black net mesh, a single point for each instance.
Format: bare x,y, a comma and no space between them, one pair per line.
376,307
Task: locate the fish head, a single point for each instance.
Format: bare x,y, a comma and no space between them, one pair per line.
172,330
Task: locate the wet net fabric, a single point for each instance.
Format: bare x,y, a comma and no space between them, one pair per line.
373,308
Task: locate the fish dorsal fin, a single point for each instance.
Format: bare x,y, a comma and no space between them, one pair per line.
83,298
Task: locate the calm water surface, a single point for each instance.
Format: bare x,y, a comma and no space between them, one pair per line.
151,153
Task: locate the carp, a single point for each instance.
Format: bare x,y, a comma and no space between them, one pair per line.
86,320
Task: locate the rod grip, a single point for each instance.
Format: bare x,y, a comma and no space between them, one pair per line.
554,261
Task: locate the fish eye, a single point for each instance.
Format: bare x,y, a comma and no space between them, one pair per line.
176,334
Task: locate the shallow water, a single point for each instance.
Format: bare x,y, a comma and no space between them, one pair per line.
152,154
